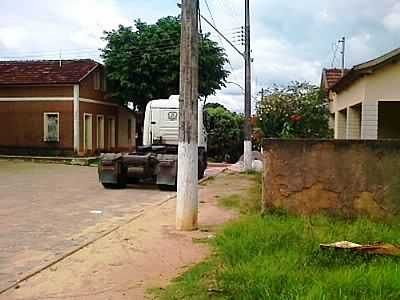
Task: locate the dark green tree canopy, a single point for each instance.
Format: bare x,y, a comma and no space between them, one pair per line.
225,134
143,64
298,110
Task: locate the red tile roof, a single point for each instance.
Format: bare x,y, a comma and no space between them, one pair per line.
330,77
333,76
45,71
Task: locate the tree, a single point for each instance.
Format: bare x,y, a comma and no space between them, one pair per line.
298,110
225,134
143,64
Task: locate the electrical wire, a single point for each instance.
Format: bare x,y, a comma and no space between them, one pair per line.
335,50
220,39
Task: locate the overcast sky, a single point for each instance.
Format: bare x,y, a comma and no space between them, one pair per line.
291,40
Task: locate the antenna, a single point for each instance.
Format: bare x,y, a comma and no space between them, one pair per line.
343,42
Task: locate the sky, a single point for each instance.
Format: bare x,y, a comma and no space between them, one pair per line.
291,40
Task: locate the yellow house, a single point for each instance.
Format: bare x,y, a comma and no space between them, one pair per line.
365,101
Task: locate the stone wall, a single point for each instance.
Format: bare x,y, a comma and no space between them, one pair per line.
334,177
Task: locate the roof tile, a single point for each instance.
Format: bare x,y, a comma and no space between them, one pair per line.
44,71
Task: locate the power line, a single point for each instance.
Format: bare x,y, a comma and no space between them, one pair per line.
219,37
47,51
150,48
211,15
8,54
334,54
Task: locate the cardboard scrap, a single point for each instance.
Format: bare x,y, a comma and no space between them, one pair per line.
375,248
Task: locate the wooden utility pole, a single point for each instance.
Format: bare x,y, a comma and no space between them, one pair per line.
187,196
343,42
248,159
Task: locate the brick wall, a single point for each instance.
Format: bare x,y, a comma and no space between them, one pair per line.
335,177
22,125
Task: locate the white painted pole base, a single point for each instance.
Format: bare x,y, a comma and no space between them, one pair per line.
248,156
187,196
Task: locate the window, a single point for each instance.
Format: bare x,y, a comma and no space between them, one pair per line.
111,133
104,81
87,132
97,80
51,127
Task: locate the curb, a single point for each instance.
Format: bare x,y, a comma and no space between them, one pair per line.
75,161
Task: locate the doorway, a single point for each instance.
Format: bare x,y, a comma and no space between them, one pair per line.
100,132
111,133
87,132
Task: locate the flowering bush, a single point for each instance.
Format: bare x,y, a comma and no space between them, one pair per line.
298,110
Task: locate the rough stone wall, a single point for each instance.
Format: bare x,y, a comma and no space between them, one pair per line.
334,177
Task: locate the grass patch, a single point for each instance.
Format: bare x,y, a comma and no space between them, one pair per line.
277,256
248,202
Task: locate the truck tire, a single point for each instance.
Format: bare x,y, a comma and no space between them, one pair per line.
110,186
202,164
201,172
121,184
166,187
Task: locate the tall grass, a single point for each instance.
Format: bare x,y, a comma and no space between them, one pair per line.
277,256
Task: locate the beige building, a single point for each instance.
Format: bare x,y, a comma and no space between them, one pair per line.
365,101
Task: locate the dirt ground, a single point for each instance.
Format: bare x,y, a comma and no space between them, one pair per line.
147,252
47,210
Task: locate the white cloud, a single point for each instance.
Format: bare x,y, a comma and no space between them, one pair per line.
392,20
360,48
11,37
43,28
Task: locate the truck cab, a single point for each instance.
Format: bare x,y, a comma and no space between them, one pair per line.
157,159
161,123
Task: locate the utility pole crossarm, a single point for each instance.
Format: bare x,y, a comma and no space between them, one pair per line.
225,38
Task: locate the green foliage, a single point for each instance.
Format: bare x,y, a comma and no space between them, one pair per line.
299,110
143,64
225,136
278,257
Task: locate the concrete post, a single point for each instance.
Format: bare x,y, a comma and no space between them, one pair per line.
340,124
348,123
369,120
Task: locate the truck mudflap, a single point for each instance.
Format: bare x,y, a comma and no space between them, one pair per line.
167,170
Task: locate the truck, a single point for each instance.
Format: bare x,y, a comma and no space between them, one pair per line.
157,160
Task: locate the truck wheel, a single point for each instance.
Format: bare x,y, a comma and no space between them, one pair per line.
121,182
166,187
110,186
201,173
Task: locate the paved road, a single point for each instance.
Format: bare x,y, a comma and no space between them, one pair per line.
46,210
